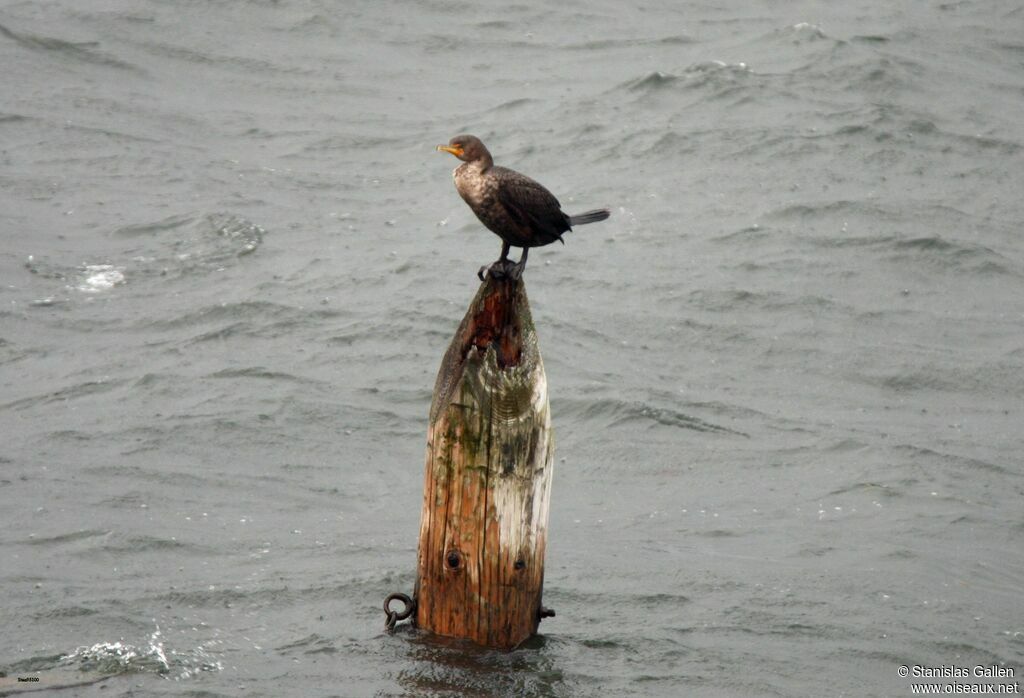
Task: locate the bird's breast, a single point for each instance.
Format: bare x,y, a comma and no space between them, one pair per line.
471,184
479,189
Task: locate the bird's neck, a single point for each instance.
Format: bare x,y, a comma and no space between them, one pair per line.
482,163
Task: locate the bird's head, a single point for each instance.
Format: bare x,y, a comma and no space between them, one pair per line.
466,148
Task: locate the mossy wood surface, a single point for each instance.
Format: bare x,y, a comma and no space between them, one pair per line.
487,477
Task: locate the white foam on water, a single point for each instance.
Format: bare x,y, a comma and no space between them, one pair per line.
120,657
101,277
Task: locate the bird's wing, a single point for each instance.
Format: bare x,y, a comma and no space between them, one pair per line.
530,204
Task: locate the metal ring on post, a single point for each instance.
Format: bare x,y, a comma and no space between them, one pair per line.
394,616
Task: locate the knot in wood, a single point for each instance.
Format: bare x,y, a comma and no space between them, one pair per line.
453,559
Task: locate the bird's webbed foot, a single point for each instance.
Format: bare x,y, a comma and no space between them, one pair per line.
502,269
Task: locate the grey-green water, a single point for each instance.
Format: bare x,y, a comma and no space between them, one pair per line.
786,375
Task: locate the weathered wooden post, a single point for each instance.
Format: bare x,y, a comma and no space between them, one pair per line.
487,483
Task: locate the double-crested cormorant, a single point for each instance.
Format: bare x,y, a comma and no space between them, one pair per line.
514,207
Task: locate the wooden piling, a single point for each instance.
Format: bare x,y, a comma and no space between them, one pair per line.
487,481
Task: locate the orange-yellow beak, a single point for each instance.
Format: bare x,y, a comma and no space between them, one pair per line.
454,150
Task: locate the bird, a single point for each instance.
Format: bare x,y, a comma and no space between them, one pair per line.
511,205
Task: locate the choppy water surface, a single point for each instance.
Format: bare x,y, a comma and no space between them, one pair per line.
786,375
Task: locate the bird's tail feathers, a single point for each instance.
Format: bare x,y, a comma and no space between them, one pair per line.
598,214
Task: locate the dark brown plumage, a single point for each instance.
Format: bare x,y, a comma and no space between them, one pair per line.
514,207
